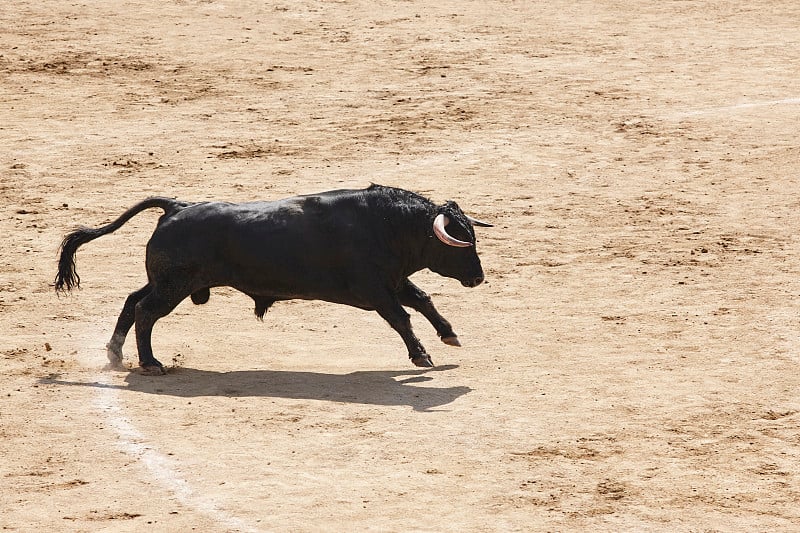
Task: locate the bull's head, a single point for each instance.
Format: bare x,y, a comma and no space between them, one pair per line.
457,258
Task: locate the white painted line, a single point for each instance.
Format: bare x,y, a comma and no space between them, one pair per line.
162,468
133,442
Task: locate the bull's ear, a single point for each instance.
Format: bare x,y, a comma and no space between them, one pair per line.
479,223
450,207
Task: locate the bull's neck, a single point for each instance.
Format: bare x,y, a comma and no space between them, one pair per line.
410,243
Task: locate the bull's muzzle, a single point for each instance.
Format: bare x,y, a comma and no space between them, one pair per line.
473,282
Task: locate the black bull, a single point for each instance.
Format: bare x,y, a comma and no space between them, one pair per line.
353,247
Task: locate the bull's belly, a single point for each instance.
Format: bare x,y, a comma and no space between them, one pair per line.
272,295
324,286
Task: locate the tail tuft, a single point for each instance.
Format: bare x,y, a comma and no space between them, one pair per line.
67,277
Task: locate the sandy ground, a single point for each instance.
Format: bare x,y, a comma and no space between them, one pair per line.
631,364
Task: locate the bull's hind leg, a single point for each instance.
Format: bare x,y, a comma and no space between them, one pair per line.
154,305
124,323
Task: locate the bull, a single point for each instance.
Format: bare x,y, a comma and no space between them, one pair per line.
351,247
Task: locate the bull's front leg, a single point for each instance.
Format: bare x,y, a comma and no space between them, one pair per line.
412,296
392,311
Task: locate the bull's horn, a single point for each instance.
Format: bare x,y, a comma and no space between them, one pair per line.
438,229
479,223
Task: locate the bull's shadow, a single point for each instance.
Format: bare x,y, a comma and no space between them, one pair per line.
371,387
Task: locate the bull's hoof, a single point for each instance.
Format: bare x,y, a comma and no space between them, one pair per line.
114,350
114,358
451,341
423,360
153,370
115,365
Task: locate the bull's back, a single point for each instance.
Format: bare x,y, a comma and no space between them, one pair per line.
296,247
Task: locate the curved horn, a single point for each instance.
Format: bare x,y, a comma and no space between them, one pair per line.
438,229
479,223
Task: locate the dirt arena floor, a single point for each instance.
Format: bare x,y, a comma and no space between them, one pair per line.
630,365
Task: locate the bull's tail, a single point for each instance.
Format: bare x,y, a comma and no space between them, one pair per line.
67,278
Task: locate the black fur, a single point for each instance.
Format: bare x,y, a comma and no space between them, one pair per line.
354,247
